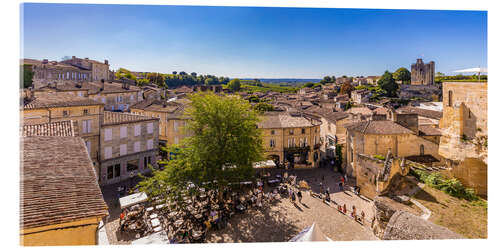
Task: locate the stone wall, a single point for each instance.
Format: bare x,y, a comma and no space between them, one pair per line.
464,128
422,73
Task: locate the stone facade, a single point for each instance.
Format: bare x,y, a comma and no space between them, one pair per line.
464,129
98,69
127,147
291,137
422,73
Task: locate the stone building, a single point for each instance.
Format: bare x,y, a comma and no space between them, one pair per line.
399,134
114,96
61,202
422,73
171,115
73,70
361,96
291,137
99,70
128,144
59,106
464,127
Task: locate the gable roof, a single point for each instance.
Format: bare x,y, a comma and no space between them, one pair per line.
58,99
58,182
421,112
384,127
285,120
114,118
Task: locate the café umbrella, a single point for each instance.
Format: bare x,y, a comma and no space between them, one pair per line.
312,233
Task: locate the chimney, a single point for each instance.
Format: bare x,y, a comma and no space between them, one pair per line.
106,62
45,61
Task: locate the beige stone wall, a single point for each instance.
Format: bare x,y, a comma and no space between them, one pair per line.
76,113
129,140
282,136
111,102
100,71
465,118
82,232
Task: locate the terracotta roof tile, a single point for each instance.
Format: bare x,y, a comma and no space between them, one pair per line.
285,120
421,112
385,127
58,99
60,128
113,118
58,182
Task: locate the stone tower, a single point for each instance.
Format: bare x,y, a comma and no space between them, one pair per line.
422,73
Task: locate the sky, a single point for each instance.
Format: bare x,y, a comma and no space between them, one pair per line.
255,42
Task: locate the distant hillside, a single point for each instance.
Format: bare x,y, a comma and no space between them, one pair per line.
289,81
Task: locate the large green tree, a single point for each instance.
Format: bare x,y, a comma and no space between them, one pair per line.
26,76
224,143
388,84
234,84
403,75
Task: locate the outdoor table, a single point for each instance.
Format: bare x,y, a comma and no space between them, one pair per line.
160,206
215,206
198,216
157,229
155,222
153,216
259,183
203,196
149,209
178,223
173,214
120,188
240,207
272,181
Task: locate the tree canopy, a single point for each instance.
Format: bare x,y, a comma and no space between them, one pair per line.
263,107
388,84
26,76
224,143
234,84
124,73
403,75
346,88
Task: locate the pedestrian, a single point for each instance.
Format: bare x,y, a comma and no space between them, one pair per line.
299,195
293,197
363,217
353,212
290,193
345,209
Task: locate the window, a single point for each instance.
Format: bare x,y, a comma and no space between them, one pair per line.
293,142
301,142
272,143
305,142
176,126
110,172
131,97
272,132
108,134
150,128
150,144
450,98
123,131
123,149
160,130
117,169
137,146
103,100
137,130
65,113
119,99
291,132
67,75
88,144
303,131
147,161
289,142
87,126
80,93
85,112
470,114
107,152
132,165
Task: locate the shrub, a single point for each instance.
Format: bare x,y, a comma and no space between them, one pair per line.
451,186
379,157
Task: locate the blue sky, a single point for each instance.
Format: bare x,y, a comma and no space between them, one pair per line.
255,41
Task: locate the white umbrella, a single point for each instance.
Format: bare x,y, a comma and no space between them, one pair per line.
473,70
312,233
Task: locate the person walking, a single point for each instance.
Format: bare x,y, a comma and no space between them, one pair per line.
293,197
299,195
363,217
